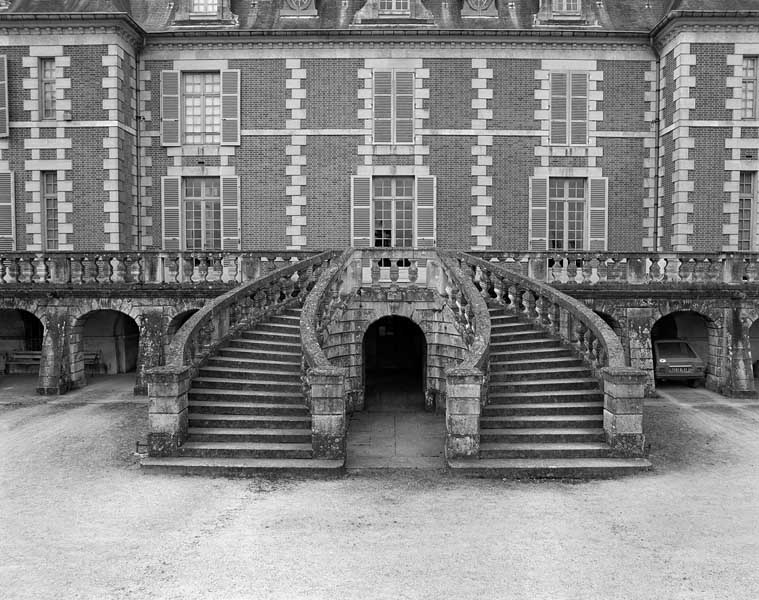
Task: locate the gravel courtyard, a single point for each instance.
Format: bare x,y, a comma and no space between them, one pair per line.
78,519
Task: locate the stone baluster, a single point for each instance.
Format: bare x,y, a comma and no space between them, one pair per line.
202,259
528,302
120,269
187,262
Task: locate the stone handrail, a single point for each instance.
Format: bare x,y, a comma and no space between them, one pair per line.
548,308
209,328
635,268
141,267
575,324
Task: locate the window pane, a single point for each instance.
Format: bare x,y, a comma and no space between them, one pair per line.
202,209
202,108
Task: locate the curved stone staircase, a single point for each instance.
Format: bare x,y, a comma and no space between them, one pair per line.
246,412
544,416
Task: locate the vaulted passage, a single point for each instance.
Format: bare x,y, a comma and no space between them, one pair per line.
394,431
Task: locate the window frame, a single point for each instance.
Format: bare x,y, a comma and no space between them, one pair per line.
394,199
394,119
747,196
567,117
749,83
394,10
184,118
194,12
565,200
49,200
204,200
47,110
560,7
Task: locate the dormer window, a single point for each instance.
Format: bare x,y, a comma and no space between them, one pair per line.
566,7
394,7
205,7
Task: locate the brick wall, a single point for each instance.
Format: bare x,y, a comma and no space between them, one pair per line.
711,72
450,160
514,88
709,196
87,72
332,94
451,93
87,157
262,93
624,87
513,163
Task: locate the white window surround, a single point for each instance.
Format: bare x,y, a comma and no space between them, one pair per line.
394,106
749,87
205,7
569,109
747,229
566,7
394,7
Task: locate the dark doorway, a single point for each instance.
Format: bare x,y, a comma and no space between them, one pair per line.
394,365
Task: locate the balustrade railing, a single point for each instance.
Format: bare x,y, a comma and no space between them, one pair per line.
145,267
388,266
592,268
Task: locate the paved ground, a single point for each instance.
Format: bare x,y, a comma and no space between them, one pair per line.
79,520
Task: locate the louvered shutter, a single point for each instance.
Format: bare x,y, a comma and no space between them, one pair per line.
538,214
598,214
383,107
3,97
7,214
230,213
172,213
425,211
361,211
230,108
170,108
579,109
559,101
404,108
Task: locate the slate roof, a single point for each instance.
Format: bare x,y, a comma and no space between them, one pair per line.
264,15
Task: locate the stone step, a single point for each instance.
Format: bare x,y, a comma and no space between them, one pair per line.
543,342
540,374
216,421
511,366
507,355
542,450
545,385
243,467
293,356
549,408
258,334
287,328
245,450
285,384
265,345
545,397
251,434
542,422
545,435
223,395
246,408
541,468
263,366
526,334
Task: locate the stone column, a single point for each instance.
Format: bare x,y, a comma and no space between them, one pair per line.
639,322
623,410
328,415
463,389
55,359
167,408
151,349
739,374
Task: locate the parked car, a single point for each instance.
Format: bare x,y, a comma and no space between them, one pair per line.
677,360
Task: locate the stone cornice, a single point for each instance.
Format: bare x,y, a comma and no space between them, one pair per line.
121,25
669,29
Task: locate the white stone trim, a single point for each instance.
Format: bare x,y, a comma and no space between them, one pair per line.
146,162
650,180
482,188
296,188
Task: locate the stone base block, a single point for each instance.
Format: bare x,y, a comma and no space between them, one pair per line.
164,444
627,445
326,446
462,446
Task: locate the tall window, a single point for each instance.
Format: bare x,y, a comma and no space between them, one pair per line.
201,97
202,209
745,210
47,88
566,6
566,214
393,107
49,183
393,212
569,109
394,6
205,6
749,87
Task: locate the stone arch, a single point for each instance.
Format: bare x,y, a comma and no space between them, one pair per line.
21,336
612,320
394,357
701,330
112,334
176,322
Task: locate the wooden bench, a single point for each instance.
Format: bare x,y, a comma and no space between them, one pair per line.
92,363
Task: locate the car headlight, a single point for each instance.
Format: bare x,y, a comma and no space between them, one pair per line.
662,360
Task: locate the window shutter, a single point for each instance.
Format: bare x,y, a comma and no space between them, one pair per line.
230,108
3,97
579,109
559,101
172,214
230,213
7,214
170,108
361,211
383,107
538,214
425,211
404,108
598,214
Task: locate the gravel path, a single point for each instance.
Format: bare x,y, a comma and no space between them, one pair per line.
79,520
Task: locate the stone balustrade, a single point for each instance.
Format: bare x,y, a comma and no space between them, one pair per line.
208,329
144,267
392,266
577,325
643,268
